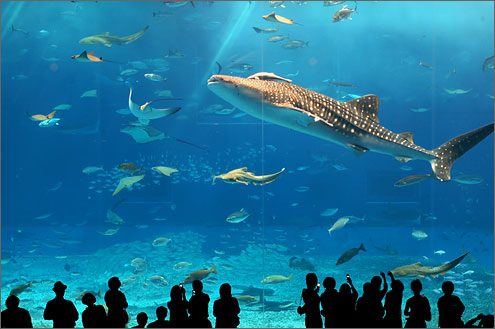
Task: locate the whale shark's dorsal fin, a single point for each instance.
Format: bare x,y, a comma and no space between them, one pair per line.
366,105
268,76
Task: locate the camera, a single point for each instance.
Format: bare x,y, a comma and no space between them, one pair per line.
318,285
180,285
348,277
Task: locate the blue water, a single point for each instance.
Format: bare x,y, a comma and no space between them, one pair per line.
379,50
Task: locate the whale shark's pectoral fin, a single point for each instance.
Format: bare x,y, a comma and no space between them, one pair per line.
402,158
358,149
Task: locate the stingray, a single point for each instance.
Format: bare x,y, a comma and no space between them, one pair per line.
41,117
165,170
126,182
145,113
86,57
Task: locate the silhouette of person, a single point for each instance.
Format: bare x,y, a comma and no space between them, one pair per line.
393,304
116,303
450,308
15,316
346,306
364,307
94,316
486,321
198,307
61,311
376,282
161,314
417,307
329,300
178,306
311,300
226,309
142,319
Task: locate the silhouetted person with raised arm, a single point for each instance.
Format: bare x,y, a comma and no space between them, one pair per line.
393,304
376,282
94,316
142,319
161,315
417,307
485,321
15,316
450,308
346,307
311,300
178,306
61,311
198,307
116,303
329,300
226,309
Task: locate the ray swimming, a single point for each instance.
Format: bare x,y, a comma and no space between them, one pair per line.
353,124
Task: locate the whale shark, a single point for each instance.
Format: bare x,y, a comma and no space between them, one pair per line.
145,112
353,124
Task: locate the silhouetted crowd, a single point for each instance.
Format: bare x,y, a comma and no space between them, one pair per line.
341,309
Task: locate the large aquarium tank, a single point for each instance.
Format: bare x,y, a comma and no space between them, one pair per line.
252,141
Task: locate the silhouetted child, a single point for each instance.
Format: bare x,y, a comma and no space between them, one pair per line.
161,314
116,303
142,319
486,321
393,304
198,307
364,308
15,316
178,306
346,307
226,309
417,307
311,300
376,299
61,311
329,300
450,308
94,316
376,282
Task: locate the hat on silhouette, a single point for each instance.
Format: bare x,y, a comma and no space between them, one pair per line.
59,286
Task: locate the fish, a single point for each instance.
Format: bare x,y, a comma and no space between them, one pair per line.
145,113
412,179
113,218
292,44
126,182
62,107
439,252
49,122
158,280
267,75
19,77
342,221
272,279
284,62
457,91
343,13
13,29
238,67
277,38
177,4
332,3
420,110
181,265
243,176
329,212
423,64
79,295
89,93
110,231
16,291
56,187
487,64
246,299
86,57
302,189
276,18
161,241
175,54
301,263
143,134
200,274
417,270
275,4
129,167
353,124
128,72
342,84
268,30
237,216
91,169
154,77
419,235
41,117
467,179
107,40
165,170
349,254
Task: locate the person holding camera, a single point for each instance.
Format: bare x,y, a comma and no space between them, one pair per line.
346,305
178,306
198,307
311,300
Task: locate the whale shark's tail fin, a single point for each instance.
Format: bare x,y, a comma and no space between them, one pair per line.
452,150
